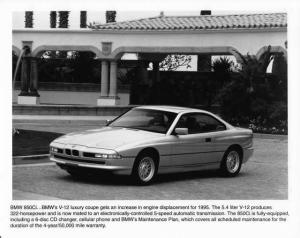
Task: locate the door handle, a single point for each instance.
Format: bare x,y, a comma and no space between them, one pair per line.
207,139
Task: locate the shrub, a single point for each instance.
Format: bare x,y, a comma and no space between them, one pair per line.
254,98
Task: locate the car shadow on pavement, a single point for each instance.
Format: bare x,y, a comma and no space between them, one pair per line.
184,176
121,180
100,179
195,175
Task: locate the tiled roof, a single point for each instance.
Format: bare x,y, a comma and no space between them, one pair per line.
201,22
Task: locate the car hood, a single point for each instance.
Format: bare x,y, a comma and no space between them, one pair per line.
107,137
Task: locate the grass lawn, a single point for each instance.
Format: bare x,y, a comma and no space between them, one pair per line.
29,142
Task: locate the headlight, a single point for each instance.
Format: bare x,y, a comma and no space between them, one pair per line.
108,156
53,149
56,150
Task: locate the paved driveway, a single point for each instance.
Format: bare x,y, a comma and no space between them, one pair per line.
263,177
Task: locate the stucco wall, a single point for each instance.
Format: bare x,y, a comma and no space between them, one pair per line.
247,41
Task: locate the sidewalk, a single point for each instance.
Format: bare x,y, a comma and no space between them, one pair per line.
59,124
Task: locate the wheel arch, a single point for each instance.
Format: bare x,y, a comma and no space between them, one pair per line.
237,147
151,151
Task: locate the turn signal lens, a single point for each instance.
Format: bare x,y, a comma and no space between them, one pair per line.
108,156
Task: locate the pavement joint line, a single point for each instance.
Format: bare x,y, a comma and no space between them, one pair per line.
258,162
30,156
25,195
32,165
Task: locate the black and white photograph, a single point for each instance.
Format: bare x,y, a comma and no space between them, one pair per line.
189,103
145,115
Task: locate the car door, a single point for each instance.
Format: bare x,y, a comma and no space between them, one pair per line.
204,143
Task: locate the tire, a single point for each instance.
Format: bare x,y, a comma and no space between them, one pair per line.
144,169
231,163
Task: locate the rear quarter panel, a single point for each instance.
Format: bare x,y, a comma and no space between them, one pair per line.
239,136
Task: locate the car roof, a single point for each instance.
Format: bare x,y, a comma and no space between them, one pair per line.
174,109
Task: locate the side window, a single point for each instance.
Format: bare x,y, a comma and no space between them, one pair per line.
207,123
199,123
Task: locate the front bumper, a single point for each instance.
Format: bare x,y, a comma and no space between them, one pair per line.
117,166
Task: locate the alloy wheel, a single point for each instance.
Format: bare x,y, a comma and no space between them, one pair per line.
233,161
146,169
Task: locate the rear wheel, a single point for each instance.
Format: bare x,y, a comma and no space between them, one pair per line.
231,163
144,170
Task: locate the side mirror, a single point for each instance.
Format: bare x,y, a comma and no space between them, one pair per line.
181,131
107,122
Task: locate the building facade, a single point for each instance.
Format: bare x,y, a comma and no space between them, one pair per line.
151,39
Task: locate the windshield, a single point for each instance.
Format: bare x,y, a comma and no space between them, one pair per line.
145,119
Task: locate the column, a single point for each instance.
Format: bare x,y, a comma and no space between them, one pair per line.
104,78
34,78
27,83
111,98
204,63
24,76
113,79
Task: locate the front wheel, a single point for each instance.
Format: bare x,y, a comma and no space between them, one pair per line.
231,163
144,170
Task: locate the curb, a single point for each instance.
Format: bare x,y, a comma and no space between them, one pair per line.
17,159
269,136
31,156
23,118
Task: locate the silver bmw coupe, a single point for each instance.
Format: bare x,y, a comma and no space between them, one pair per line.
148,140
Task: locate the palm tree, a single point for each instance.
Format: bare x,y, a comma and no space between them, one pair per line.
254,69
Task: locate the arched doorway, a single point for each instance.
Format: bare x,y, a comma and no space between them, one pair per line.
150,83
66,74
